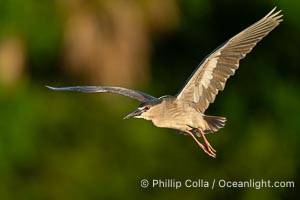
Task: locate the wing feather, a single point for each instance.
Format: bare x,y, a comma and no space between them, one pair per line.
213,72
134,94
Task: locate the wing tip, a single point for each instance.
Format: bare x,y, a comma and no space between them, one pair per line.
50,87
275,14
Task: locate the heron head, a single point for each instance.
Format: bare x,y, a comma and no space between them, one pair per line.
144,110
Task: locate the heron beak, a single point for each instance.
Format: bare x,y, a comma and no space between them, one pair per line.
135,114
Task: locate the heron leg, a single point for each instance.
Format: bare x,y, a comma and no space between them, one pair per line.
205,149
208,146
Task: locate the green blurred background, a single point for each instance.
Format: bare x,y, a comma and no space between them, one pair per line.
64,145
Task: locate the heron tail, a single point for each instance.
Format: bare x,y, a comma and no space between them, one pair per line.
215,123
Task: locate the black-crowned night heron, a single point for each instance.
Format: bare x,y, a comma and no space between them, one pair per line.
185,111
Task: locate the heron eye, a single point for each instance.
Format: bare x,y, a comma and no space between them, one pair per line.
147,107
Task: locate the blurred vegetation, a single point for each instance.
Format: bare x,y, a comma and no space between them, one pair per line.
60,145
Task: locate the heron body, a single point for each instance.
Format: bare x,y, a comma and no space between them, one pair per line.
170,106
184,112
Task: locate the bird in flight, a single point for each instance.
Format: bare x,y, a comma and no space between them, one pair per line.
184,112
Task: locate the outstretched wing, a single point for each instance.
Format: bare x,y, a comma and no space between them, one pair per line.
213,72
134,94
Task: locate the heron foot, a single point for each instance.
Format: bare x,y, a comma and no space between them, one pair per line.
207,148
207,144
